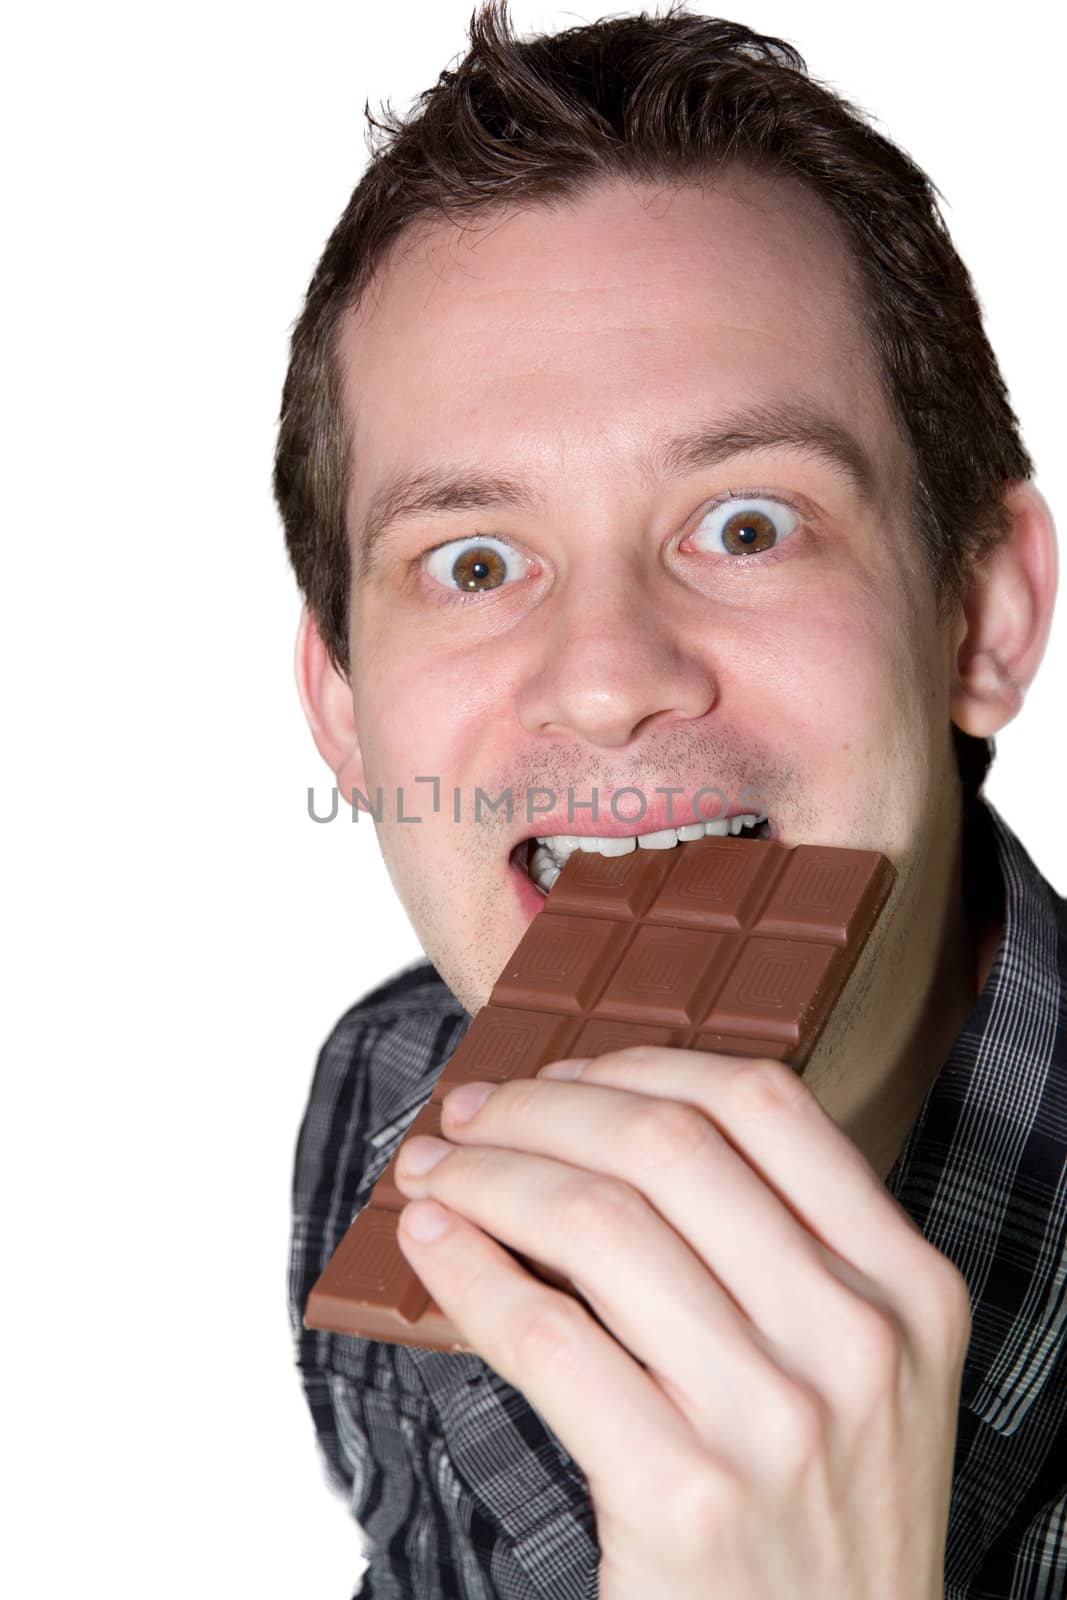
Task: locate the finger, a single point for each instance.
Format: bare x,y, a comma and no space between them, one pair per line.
779,1275
547,1346
638,1274
771,1117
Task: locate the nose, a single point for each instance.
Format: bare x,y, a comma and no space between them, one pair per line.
617,656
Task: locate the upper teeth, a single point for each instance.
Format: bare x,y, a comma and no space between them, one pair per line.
551,854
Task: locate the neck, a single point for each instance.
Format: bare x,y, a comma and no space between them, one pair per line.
904,1006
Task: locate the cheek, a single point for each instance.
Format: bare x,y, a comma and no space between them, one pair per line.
424,709
855,680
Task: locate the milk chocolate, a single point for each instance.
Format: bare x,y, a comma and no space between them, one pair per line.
738,946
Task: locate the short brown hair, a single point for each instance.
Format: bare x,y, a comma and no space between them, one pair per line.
657,99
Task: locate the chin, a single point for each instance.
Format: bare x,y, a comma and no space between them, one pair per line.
466,971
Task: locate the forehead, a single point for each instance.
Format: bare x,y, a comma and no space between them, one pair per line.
558,339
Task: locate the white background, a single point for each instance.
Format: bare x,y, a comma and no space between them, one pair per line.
180,936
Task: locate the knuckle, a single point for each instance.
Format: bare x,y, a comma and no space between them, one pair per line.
468,1167
875,1342
595,1210
799,1428
517,1095
950,1297
638,1056
662,1133
473,1282
961,1310
696,1505
763,1087
549,1333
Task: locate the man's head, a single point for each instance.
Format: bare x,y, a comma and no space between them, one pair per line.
654,277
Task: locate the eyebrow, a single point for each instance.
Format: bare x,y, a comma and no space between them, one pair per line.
797,426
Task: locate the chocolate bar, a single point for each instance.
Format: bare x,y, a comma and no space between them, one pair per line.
739,946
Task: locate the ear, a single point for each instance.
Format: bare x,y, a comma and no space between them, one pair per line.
1004,618
326,696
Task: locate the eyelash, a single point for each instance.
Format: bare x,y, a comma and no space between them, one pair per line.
764,557
800,508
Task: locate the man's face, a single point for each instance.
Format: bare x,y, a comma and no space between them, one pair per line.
619,631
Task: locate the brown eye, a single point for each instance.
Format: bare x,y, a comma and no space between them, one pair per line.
748,532
740,527
476,565
480,568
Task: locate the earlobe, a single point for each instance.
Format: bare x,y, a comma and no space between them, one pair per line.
326,696
1006,613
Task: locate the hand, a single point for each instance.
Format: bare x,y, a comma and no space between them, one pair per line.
770,1405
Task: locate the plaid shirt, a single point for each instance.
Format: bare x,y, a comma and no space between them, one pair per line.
460,1487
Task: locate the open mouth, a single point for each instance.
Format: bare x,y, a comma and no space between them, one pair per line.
542,859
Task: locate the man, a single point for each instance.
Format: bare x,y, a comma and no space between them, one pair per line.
641,433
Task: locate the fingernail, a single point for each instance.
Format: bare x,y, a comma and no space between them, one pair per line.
564,1069
422,1153
462,1103
425,1220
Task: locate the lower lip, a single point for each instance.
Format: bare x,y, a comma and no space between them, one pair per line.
530,897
